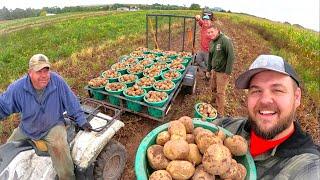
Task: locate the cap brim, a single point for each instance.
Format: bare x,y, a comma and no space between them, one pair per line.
40,66
243,81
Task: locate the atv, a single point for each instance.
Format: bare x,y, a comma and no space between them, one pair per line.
95,154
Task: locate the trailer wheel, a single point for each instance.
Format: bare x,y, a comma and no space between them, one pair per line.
111,161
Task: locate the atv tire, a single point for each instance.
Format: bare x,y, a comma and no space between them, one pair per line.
111,161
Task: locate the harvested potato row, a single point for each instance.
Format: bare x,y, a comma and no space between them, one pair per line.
160,65
137,68
130,61
110,74
126,78
164,85
134,91
136,54
97,82
119,66
171,75
149,56
176,66
207,110
115,86
146,62
146,81
155,96
184,54
152,72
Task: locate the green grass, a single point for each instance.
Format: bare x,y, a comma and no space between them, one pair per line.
60,38
300,47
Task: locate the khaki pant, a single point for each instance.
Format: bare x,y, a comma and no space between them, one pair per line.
219,82
58,148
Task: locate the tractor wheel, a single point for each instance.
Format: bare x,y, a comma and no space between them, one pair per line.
111,161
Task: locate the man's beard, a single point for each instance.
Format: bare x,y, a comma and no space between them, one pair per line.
283,124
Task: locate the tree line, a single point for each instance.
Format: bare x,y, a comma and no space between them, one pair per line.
9,14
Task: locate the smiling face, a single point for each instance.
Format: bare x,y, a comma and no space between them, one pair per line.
272,101
40,79
212,33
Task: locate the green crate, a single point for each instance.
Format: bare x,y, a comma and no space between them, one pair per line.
169,91
197,114
115,100
143,170
134,106
155,112
176,80
97,95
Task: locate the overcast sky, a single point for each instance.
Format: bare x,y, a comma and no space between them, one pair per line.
303,12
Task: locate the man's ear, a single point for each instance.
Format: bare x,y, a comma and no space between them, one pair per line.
297,97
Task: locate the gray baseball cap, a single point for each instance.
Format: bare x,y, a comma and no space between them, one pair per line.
38,62
266,63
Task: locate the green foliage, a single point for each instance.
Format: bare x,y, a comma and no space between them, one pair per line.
43,13
194,7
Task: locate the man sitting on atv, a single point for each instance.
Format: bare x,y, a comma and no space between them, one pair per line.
41,97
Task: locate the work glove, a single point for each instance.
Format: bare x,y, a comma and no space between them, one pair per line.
86,127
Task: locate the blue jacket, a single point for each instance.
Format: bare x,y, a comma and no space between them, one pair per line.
37,118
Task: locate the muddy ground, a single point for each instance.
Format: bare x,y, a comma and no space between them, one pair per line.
248,45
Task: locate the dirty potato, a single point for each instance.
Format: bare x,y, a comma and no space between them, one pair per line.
194,154
242,172
190,138
177,130
237,145
160,175
197,130
180,169
201,174
176,149
187,122
220,134
205,138
162,138
217,159
156,157
232,173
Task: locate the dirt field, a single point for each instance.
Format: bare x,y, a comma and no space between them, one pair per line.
248,45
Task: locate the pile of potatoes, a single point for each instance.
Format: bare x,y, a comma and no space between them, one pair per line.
171,75
146,62
134,91
176,66
115,86
149,56
185,152
146,81
170,53
160,65
151,72
207,110
119,66
136,68
136,54
127,78
164,85
130,61
142,49
111,74
162,59
178,61
97,82
185,54
155,96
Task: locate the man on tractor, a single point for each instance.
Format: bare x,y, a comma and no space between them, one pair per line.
42,97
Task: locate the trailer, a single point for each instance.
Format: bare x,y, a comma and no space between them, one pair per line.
187,82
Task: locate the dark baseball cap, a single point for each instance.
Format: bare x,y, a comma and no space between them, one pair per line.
266,63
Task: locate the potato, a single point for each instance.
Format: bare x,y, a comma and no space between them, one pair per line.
180,169
160,175
232,173
205,138
217,159
177,128
194,155
176,149
201,174
237,145
197,130
163,137
242,172
156,157
187,122
190,138
220,134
